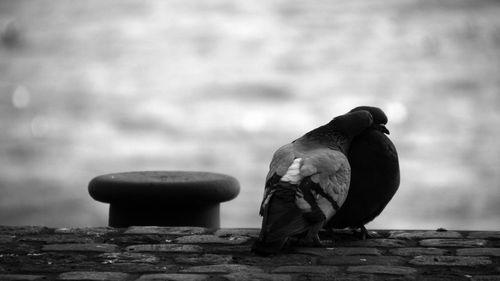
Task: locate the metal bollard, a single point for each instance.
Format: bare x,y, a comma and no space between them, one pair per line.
164,198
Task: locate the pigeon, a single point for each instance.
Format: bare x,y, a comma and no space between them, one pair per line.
375,175
307,183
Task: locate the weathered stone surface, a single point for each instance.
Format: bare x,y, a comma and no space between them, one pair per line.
288,259
158,255
93,276
324,269
127,257
227,232
485,278
94,231
203,259
211,239
168,248
450,260
453,242
382,242
23,230
382,269
349,233
418,251
222,268
484,234
55,262
93,247
253,276
424,234
138,239
136,268
173,277
166,230
4,238
21,277
479,252
342,251
362,260
57,239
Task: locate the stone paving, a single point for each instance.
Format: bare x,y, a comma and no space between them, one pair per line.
195,253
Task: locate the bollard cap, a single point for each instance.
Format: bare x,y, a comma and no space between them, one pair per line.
169,187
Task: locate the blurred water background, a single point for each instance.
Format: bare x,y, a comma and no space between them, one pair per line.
95,87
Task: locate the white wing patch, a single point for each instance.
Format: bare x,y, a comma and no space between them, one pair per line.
293,174
326,167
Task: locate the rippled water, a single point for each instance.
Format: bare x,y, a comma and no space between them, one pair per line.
95,87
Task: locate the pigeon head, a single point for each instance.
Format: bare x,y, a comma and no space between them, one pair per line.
379,117
352,123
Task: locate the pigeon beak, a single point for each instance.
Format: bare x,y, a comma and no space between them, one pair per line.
383,129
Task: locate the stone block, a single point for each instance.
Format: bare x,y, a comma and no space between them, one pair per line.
93,276
57,239
168,248
349,277
211,239
362,260
203,259
23,230
382,269
453,242
288,259
479,252
485,278
127,257
227,232
379,242
138,239
341,251
137,267
222,268
4,238
484,235
418,251
93,231
173,277
166,230
93,247
21,277
450,260
252,276
323,269
424,234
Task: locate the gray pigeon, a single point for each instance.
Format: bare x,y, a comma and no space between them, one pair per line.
307,183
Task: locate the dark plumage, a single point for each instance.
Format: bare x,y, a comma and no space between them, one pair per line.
308,181
374,175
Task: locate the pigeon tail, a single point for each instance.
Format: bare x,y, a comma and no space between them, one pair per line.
282,219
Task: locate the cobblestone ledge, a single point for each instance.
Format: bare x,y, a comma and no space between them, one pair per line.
194,253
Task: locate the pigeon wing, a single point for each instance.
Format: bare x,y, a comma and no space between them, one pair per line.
282,159
327,175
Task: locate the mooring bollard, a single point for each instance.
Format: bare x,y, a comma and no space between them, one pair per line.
164,198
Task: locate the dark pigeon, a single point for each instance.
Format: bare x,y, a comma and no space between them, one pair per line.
308,181
375,175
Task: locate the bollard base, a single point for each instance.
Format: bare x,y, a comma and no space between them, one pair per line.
121,215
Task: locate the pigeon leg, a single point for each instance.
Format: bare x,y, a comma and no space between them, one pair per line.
311,238
364,233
